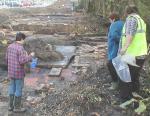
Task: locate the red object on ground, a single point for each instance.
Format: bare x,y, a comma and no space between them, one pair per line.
25,3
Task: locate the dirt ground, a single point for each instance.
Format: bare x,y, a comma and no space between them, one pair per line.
82,88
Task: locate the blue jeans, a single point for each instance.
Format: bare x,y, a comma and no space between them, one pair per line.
15,87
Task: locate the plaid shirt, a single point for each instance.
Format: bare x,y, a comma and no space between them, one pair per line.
131,25
16,57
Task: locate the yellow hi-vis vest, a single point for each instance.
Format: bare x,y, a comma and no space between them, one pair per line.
138,46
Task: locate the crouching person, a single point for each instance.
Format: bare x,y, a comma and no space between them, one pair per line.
16,58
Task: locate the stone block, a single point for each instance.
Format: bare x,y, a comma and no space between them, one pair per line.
55,72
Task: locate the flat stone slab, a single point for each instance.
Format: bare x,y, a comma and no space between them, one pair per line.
67,51
3,108
55,72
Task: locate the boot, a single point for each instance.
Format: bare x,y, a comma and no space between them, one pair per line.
11,102
17,105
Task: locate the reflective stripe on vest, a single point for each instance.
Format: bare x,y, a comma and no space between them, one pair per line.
138,46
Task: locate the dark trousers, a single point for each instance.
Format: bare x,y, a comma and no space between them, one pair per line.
126,89
112,71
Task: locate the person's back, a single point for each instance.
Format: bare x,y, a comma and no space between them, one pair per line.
16,57
15,69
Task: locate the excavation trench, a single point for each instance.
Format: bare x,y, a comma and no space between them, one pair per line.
71,78
62,59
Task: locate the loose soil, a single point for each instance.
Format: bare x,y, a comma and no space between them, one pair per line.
82,89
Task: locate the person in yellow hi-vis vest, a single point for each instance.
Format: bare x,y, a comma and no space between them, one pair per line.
133,43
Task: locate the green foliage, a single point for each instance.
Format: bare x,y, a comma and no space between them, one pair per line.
105,7
144,9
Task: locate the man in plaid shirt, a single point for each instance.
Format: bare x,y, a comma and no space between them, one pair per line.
16,58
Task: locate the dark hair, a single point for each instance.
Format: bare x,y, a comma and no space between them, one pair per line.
131,9
115,16
20,36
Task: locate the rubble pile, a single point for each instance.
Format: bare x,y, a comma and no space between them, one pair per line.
82,98
88,95
73,79
41,92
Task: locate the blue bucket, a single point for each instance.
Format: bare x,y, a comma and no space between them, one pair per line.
33,63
